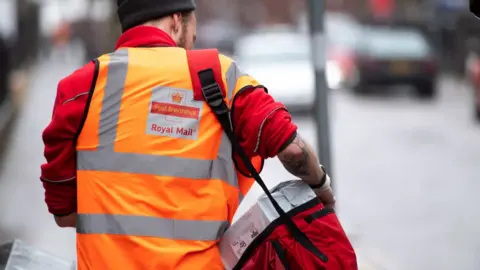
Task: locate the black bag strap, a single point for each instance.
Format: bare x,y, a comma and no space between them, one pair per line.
214,98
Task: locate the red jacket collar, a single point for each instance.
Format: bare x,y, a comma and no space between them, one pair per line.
144,36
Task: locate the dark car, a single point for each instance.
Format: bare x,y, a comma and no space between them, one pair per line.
473,77
477,98
386,56
6,102
4,71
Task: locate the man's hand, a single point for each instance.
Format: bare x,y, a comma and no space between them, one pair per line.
326,196
67,221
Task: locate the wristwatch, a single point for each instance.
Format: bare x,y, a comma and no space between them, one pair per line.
322,181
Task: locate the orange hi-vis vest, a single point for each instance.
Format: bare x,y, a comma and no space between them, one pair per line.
156,181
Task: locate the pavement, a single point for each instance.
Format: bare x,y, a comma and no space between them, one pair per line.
406,173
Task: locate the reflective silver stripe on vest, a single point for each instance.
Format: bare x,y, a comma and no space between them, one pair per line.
231,77
106,159
150,227
156,165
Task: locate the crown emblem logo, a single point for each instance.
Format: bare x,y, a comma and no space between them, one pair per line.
177,97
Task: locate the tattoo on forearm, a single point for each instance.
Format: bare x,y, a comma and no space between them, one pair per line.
297,164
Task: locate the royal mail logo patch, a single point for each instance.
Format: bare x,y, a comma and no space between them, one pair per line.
175,110
174,113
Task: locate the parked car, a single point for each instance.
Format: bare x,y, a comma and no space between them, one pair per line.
279,56
9,37
340,69
7,108
5,70
385,56
473,76
8,34
280,59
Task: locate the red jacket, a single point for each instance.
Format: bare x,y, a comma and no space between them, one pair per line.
256,118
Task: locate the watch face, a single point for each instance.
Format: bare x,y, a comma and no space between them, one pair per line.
475,7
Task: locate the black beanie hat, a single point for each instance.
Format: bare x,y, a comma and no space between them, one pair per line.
134,12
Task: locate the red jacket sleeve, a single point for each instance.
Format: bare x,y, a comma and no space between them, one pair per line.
262,125
58,174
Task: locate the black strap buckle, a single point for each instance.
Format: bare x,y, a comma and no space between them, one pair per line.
214,98
212,94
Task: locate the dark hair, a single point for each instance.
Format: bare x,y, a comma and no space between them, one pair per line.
186,16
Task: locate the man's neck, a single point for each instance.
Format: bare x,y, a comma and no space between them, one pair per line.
161,24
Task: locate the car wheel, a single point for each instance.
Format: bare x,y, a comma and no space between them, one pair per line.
426,90
360,89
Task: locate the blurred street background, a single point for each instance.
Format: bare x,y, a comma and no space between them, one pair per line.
404,110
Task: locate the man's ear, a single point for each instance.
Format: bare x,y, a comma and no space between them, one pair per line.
176,21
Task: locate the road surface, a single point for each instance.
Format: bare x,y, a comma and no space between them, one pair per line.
407,175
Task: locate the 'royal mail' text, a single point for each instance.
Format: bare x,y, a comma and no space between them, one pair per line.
173,130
